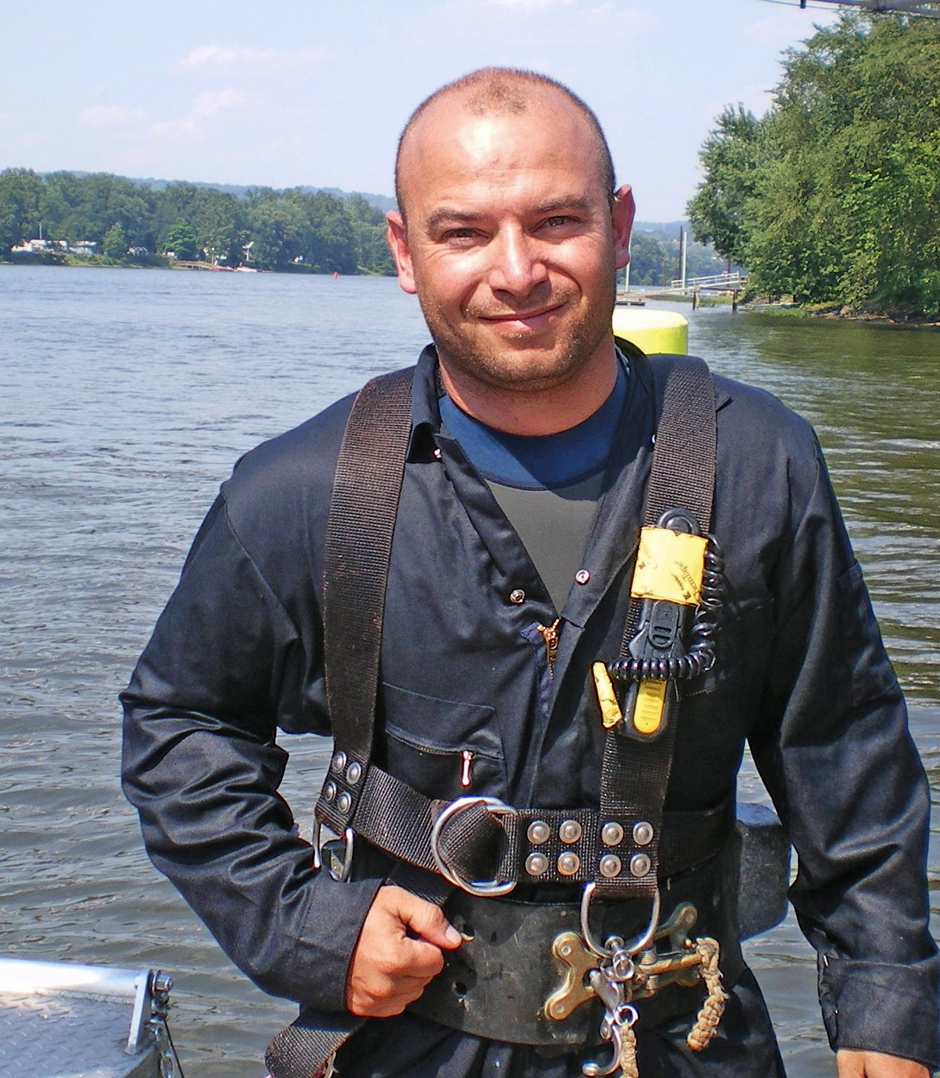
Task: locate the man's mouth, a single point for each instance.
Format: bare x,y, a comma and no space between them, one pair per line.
533,319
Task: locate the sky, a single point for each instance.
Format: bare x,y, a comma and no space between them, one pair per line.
314,92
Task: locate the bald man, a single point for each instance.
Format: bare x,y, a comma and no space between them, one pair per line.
528,457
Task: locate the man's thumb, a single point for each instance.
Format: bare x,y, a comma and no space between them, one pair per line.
428,923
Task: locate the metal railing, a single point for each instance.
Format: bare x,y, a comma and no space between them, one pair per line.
715,281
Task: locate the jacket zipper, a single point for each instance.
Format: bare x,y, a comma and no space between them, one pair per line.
549,634
466,763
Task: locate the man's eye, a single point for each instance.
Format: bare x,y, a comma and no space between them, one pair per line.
460,235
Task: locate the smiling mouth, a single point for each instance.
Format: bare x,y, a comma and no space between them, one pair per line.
534,318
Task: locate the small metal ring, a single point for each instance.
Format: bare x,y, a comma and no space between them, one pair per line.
639,943
495,807
626,1015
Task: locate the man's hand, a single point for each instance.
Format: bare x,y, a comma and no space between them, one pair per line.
851,1063
398,952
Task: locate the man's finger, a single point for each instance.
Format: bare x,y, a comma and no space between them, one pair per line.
421,960
424,919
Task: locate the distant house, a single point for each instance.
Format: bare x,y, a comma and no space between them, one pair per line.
137,251
84,247
40,246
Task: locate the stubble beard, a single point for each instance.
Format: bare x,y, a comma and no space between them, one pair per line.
520,369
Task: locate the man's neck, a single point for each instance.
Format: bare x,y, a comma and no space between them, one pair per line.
545,410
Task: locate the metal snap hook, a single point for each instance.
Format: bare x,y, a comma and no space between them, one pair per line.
595,1070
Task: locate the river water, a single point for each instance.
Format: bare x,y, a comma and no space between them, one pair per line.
126,397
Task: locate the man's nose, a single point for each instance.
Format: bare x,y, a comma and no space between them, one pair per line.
518,265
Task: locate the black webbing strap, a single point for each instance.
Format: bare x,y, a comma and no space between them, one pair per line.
361,525
635,774
478,845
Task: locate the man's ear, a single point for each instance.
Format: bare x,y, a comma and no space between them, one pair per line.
396,235
621,212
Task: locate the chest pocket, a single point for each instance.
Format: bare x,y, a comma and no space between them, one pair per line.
443,748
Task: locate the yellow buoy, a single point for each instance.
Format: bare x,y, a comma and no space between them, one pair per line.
652,331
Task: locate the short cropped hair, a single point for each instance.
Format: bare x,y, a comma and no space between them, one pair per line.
505,90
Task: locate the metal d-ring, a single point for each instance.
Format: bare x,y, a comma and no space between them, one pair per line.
348,836
639,943
495,807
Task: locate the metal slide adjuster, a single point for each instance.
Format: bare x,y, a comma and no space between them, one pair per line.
495,807
343,875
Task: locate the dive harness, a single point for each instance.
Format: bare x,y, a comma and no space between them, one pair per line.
483,847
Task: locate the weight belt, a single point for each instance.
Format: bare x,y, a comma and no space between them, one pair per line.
478,844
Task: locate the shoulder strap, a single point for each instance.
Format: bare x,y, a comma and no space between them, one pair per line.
360,529
683,469
635,774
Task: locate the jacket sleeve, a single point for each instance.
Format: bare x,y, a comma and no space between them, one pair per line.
834,750
225,666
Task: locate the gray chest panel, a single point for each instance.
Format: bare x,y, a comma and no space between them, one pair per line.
553,526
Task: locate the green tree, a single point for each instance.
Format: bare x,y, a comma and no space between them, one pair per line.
114,244
368,225
731,158
219,223
102,200
20,197
646,259
180,238
277,226
843,202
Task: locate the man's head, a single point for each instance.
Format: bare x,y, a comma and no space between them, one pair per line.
510,233
506,90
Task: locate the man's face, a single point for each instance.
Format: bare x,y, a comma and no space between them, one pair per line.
511,242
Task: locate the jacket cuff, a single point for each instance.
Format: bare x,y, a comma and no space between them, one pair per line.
880,1007
319,960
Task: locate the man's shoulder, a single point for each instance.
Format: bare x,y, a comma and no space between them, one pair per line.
305,454
749,416
281,488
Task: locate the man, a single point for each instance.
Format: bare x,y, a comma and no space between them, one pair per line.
527,464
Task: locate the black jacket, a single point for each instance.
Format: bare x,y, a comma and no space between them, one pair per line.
801,674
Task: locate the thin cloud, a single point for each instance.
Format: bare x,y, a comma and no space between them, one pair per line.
215,57
611,17
776,28
202,108
530,5
110,116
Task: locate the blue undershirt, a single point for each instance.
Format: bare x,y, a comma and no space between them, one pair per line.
539,462
546,485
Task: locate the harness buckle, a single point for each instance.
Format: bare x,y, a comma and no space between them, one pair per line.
494,807
341,875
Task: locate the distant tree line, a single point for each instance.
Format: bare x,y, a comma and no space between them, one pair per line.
833,197
291,229
655,256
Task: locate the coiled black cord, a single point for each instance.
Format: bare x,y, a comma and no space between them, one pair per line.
700,657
